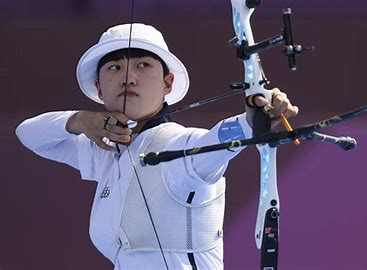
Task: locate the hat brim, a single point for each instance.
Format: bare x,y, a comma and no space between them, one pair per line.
86,71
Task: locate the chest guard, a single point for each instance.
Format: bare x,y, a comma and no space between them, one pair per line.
182,226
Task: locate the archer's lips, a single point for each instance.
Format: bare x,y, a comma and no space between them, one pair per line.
129,94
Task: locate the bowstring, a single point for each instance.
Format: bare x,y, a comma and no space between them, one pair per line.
127,147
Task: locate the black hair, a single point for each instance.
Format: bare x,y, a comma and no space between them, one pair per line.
133,53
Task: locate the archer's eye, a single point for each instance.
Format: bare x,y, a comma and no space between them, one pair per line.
143,65
114,67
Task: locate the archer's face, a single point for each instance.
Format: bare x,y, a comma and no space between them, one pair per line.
145,87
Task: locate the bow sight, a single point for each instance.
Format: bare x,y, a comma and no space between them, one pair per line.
243,50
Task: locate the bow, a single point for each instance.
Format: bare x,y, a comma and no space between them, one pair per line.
267,222
266,232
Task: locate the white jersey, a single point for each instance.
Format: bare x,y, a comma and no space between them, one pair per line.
202,174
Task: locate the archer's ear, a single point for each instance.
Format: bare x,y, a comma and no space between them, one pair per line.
168,82
98,86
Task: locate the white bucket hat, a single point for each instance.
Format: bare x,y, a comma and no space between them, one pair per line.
142,37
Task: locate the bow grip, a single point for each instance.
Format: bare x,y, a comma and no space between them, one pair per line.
261,123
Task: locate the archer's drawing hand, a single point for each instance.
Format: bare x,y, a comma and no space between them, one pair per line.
280,104
96,127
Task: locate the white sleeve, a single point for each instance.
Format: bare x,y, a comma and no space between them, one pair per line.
208,168
46,135
211,166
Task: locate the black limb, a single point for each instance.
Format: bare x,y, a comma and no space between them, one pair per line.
270,241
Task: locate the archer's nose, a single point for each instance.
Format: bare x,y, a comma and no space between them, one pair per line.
128,78
127,81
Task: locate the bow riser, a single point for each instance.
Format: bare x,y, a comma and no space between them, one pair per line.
255,79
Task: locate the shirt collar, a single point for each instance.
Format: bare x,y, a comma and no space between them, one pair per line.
160,118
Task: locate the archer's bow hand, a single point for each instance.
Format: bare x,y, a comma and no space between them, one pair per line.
279,105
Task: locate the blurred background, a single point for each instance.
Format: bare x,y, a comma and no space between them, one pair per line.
44,206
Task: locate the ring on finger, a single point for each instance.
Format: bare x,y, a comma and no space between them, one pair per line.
110,120
106,119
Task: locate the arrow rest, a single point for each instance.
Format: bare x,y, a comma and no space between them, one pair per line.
239,85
